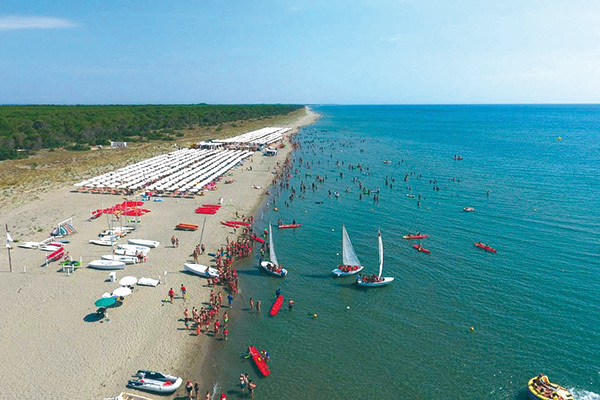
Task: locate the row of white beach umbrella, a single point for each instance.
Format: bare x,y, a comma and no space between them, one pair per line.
262,136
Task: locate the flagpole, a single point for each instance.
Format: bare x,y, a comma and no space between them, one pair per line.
8,249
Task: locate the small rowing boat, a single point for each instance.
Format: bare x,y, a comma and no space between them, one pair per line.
260,362
417,236
485,247
421,248
540,388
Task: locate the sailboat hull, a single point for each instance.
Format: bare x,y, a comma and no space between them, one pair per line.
386,280
267,264
339,272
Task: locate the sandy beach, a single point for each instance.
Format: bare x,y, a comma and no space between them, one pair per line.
52,344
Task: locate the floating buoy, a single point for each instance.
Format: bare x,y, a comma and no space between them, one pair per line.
314,315
347,307
472,328
559,138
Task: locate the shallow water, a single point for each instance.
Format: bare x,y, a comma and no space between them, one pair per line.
534,306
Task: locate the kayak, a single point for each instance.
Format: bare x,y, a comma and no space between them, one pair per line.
228,224
289,226
485,247
259,361
276,306
186,227
258,239
238,223
422,249
409,236
468,209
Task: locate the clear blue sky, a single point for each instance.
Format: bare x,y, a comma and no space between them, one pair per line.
280,51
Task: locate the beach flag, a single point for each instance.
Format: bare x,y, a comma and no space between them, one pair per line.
8,240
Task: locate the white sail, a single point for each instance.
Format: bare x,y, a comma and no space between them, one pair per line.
380,254
272,255
348,255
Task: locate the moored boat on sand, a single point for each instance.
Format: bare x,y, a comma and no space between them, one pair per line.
156,382
202,270
123,259
540,388
134,248
144,242
106,264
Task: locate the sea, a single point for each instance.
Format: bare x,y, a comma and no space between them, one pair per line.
461,322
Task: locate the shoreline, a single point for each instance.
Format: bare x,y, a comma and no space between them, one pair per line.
47,309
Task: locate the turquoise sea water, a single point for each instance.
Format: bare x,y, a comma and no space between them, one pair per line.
535,305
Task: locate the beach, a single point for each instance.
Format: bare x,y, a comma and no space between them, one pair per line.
53,346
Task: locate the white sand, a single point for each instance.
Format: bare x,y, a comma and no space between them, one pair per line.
48,347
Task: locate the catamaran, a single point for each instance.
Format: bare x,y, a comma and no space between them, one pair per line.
273,266
371,281
350,263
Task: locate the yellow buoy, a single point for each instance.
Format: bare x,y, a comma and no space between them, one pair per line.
559,138
314,315
472,328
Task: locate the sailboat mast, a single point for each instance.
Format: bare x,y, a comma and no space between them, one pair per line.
380,254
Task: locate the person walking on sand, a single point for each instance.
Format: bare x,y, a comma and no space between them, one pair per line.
207,395
251,303
183,292
171,295
225,332
258,305
230,300
197,390
188,389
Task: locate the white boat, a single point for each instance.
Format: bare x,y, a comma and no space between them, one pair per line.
101,242
128,396
106,264
375,281
148,282
350,263
140,249
272,267
124,259
144,242
201,270
51,246
29,245
156,382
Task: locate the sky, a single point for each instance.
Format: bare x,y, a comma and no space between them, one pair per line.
300,52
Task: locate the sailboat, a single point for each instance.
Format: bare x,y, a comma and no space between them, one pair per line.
272,267
350,263
370,281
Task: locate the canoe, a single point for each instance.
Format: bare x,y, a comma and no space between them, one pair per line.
51,247
485,247
258,239
29,245
121,258
421,249
276,306
144,242
211,205
201,270
540,388
56,255
239,223
106,264
228,224
414,236
186,227
289,226
468,209
259,361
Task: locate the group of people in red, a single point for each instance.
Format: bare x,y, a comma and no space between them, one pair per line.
371,279
348,268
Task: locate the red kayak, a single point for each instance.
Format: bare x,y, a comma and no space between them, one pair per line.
258,239
409,236
260,362
239,223
228,224
186,227
289,226
211,205
421,249
276,306
485,247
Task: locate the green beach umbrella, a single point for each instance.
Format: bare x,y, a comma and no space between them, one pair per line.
105,302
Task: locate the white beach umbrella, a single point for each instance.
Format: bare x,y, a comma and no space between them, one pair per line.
128,281
121,292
